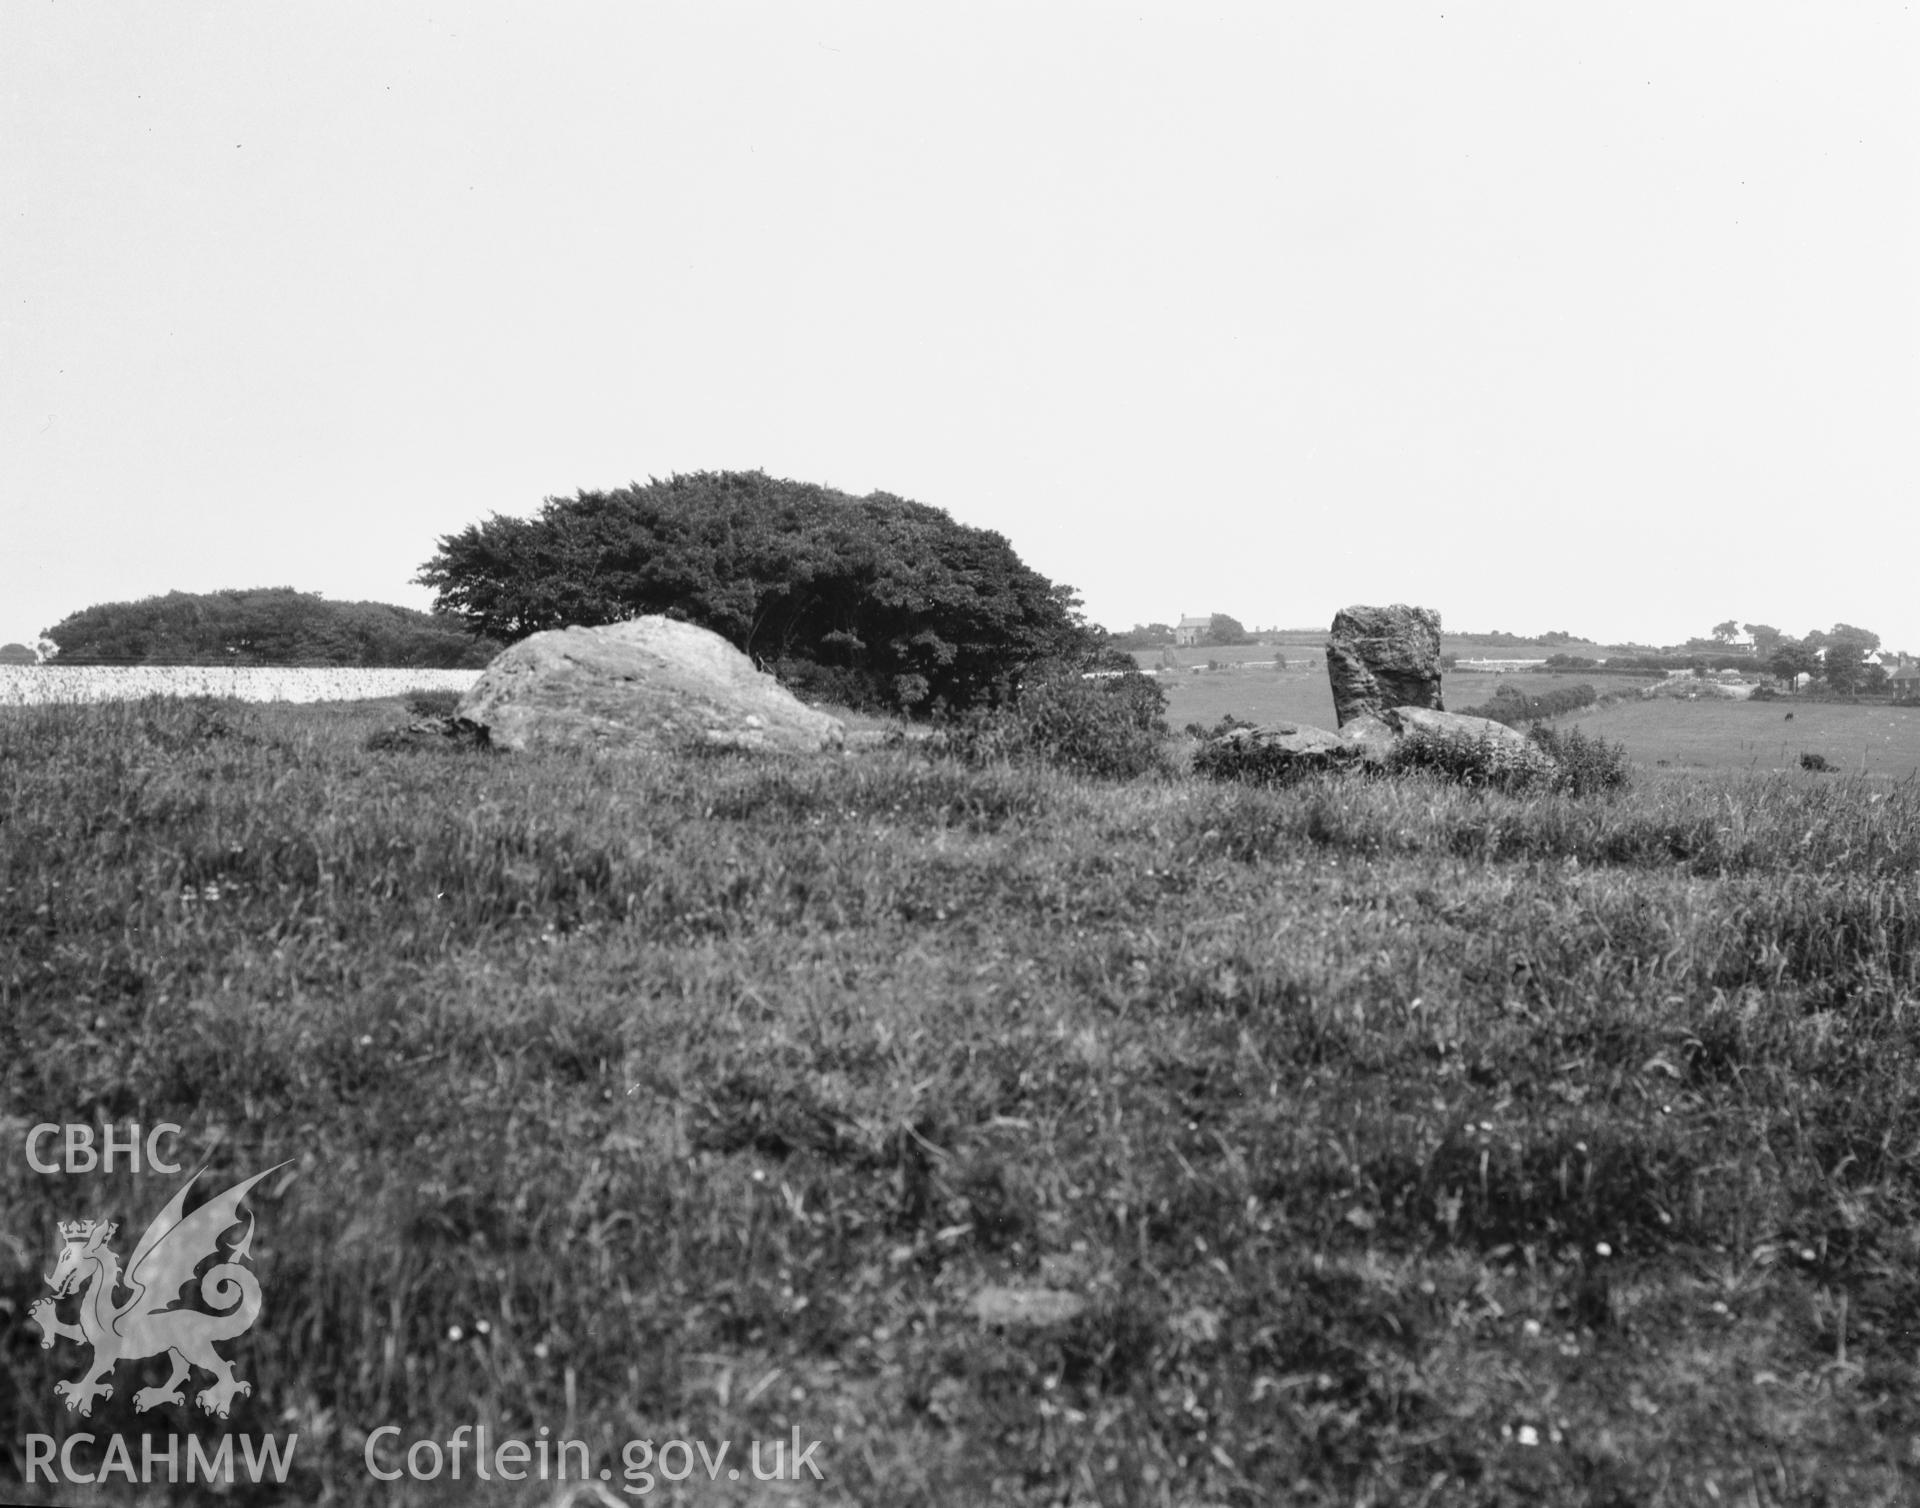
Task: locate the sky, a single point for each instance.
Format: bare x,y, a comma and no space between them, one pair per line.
1599,318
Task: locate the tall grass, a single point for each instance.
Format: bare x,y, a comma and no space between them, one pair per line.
1403,1142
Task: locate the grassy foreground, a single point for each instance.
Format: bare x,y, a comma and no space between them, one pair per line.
1354,1143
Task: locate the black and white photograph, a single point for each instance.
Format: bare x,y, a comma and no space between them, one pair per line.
1078,754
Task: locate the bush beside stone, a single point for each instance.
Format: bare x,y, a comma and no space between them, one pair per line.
1109,729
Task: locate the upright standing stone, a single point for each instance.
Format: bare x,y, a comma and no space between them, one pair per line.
1379,658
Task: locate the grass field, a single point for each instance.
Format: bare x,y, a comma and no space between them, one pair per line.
1021,1139
1879,741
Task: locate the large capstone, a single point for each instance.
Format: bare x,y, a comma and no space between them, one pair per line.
647,683
1281,753
1379,658
1499,753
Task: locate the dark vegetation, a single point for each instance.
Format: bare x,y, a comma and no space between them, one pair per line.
1565,761
265,626
1514,707
1225,631
1109,728
1661,664
1498,639
873,602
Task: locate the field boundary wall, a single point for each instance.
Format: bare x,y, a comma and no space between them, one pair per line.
31,685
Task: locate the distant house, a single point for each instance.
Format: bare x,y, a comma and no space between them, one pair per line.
1189,631
1905,681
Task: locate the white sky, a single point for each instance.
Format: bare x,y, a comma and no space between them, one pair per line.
1599,318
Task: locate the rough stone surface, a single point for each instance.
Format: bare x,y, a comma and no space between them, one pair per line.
647,683
1281,753
1382,657
1511,748
1372,736
1278,753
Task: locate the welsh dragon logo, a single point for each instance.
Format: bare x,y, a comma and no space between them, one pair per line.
148,1323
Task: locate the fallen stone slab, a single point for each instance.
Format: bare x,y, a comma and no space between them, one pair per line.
1278,754
1508,750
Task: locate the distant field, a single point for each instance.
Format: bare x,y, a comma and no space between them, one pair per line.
1263,695
1695,736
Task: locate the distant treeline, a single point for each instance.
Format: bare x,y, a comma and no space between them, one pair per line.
1655,664
265,626
1499,640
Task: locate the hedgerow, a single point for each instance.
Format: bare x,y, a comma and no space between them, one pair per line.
1515,708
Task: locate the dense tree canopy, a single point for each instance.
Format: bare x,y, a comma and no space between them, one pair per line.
873,601
1844,667
1792,658
264,626
1224,629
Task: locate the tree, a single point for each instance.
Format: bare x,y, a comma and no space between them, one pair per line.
1792,658
1766,638
263,626
1844,664
875,601
1865,638
1726,632
1225,630
17,654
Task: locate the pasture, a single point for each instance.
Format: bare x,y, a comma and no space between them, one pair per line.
1881,741
1022,1139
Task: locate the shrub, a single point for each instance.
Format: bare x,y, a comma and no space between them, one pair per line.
1587,766
1110,729
833,686
1257,761
1228,722
1482,761
424,702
